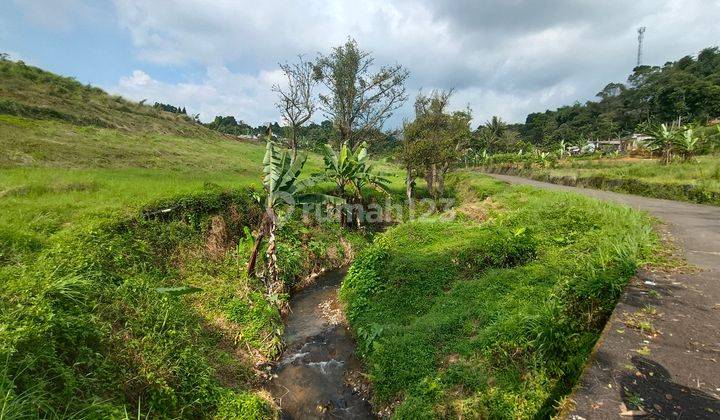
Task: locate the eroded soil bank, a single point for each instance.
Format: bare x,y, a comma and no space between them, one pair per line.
316,376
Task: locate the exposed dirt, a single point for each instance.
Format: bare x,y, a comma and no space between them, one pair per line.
659,354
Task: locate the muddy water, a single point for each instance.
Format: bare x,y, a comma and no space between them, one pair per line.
312,378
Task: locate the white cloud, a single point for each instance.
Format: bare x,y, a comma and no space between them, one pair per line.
507,58
221,92
14,56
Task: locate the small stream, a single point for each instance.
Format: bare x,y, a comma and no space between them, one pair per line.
312,378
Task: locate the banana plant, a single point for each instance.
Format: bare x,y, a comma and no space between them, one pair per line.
662,139
544,159
351,168
686,142
365,174
341,167
561,149
283,188
484,157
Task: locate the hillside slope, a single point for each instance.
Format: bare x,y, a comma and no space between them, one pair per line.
31,92
88,250
71,150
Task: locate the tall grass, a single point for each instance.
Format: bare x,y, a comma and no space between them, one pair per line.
494,319
87,330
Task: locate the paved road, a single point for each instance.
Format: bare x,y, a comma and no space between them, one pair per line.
673,370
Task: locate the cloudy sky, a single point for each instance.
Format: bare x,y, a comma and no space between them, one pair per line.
503,57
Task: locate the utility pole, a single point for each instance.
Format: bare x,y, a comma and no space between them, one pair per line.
641,35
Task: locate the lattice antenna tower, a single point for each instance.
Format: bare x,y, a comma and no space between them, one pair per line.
641,36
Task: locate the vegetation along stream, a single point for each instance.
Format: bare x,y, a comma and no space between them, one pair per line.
314,375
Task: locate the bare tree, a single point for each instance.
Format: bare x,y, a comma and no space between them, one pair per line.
357,98
296,102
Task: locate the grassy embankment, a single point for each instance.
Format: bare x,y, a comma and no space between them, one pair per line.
494,314
85,330
696,181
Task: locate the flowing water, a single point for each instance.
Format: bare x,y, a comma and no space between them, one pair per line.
312,378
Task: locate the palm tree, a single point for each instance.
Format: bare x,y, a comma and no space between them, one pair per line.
496,126
282,188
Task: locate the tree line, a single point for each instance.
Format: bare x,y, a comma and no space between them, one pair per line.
170,108
687,90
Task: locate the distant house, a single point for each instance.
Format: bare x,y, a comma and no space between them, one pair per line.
251,137
621,144
635,140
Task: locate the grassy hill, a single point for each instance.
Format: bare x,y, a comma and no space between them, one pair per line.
71,149
55,172
86,328
31,92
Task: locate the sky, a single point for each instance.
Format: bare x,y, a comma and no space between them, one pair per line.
220,57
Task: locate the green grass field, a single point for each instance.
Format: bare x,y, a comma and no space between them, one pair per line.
704,172
461,319
85,331
56,174
695,181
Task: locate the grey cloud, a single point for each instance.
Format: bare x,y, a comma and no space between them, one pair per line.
503,57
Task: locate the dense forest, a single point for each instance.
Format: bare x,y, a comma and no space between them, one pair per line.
687,89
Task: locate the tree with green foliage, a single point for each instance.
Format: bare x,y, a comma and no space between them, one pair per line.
497,137
295,101
358,98
229,125
414,155
686,89
170,108
434,140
